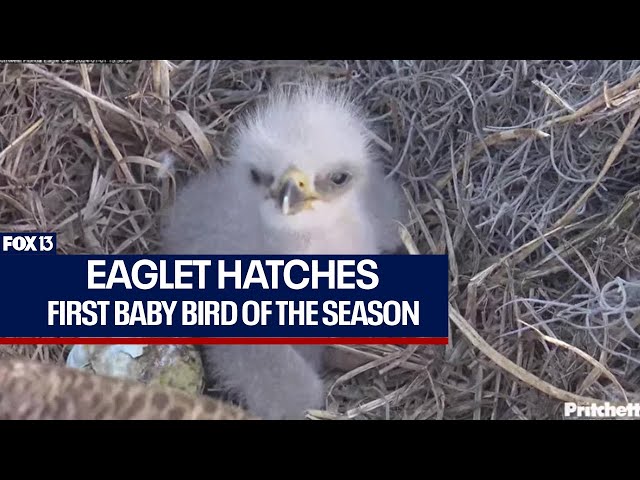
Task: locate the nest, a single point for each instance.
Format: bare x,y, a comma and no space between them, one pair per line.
526,173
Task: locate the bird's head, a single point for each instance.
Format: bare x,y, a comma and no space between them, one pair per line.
305,156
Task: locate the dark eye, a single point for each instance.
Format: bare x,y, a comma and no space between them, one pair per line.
340,178
260,178
255,176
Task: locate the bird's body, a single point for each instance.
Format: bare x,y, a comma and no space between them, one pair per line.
302,180
31,390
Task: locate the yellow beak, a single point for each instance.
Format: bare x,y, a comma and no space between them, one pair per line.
294,192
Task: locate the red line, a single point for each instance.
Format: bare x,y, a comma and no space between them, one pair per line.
222,341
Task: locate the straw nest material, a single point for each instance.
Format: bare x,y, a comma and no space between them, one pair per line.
527,173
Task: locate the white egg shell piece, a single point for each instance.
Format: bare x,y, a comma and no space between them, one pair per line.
177,366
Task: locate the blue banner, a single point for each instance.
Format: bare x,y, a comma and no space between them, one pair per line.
221,298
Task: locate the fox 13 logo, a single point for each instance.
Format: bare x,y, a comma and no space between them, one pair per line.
28,243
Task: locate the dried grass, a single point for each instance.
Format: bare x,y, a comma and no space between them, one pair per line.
527,173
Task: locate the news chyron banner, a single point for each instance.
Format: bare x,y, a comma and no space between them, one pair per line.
113,299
